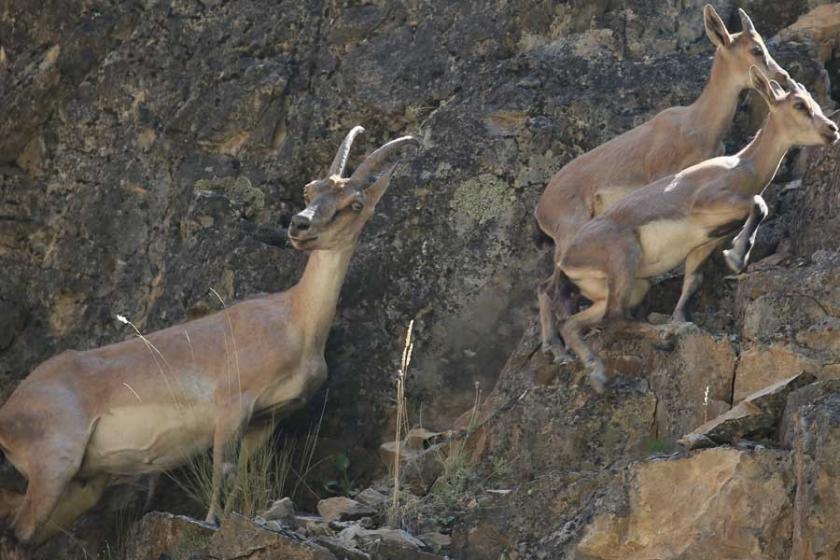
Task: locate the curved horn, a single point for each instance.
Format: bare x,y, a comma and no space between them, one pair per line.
381,156
340,161
746,22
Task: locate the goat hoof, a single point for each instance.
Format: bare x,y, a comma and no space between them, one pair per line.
11,549
679,318
598,379
211,521
735,263
558,351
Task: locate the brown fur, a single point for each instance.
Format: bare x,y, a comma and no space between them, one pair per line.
680,219
148,404
672,140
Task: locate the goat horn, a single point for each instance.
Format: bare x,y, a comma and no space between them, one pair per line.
340,161
381,156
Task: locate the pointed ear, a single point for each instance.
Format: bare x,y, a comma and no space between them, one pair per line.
778,90
378,188
746,22
715,28
761,84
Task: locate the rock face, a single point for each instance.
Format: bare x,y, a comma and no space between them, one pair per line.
813,429
152,150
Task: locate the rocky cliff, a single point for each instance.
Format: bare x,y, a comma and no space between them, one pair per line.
152,150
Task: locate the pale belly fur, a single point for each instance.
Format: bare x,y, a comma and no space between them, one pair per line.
148,438
667,243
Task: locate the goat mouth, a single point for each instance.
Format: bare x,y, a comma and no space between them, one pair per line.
301,241
831,138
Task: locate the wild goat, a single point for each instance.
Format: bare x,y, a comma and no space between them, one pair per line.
683,218
669,142
149,404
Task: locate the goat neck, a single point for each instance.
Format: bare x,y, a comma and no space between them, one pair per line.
315,296
763,156
715,108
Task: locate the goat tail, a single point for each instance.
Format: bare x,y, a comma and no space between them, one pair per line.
11,491
540,238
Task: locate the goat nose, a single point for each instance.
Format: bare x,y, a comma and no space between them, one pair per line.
832,126
300,223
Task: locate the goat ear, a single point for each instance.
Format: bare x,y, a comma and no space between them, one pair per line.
778,90
746,22
715,28
377,189
762,85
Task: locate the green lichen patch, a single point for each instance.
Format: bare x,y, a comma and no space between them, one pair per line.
482,198
238,190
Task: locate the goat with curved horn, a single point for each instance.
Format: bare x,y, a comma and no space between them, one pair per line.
375,161
150,403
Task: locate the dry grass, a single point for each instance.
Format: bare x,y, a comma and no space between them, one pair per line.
401,424
275,469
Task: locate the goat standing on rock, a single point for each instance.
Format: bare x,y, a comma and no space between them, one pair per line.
669,142
149,404
682,219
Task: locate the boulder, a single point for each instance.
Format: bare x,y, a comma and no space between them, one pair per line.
341,508
822,25
762,366
721,503
239,538
387,544
342,548
755,417
372,498
282,510
159,535
435,541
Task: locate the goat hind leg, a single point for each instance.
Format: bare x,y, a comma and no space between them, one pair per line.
621,268
46,486
692,278
78,497
572,334
551,342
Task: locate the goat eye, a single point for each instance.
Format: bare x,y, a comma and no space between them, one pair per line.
357,206
757,51
800,106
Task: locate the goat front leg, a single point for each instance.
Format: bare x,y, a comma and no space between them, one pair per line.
625,291
224,438
738,256
79,496
692,278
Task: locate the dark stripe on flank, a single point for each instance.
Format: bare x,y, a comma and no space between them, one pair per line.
726,229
